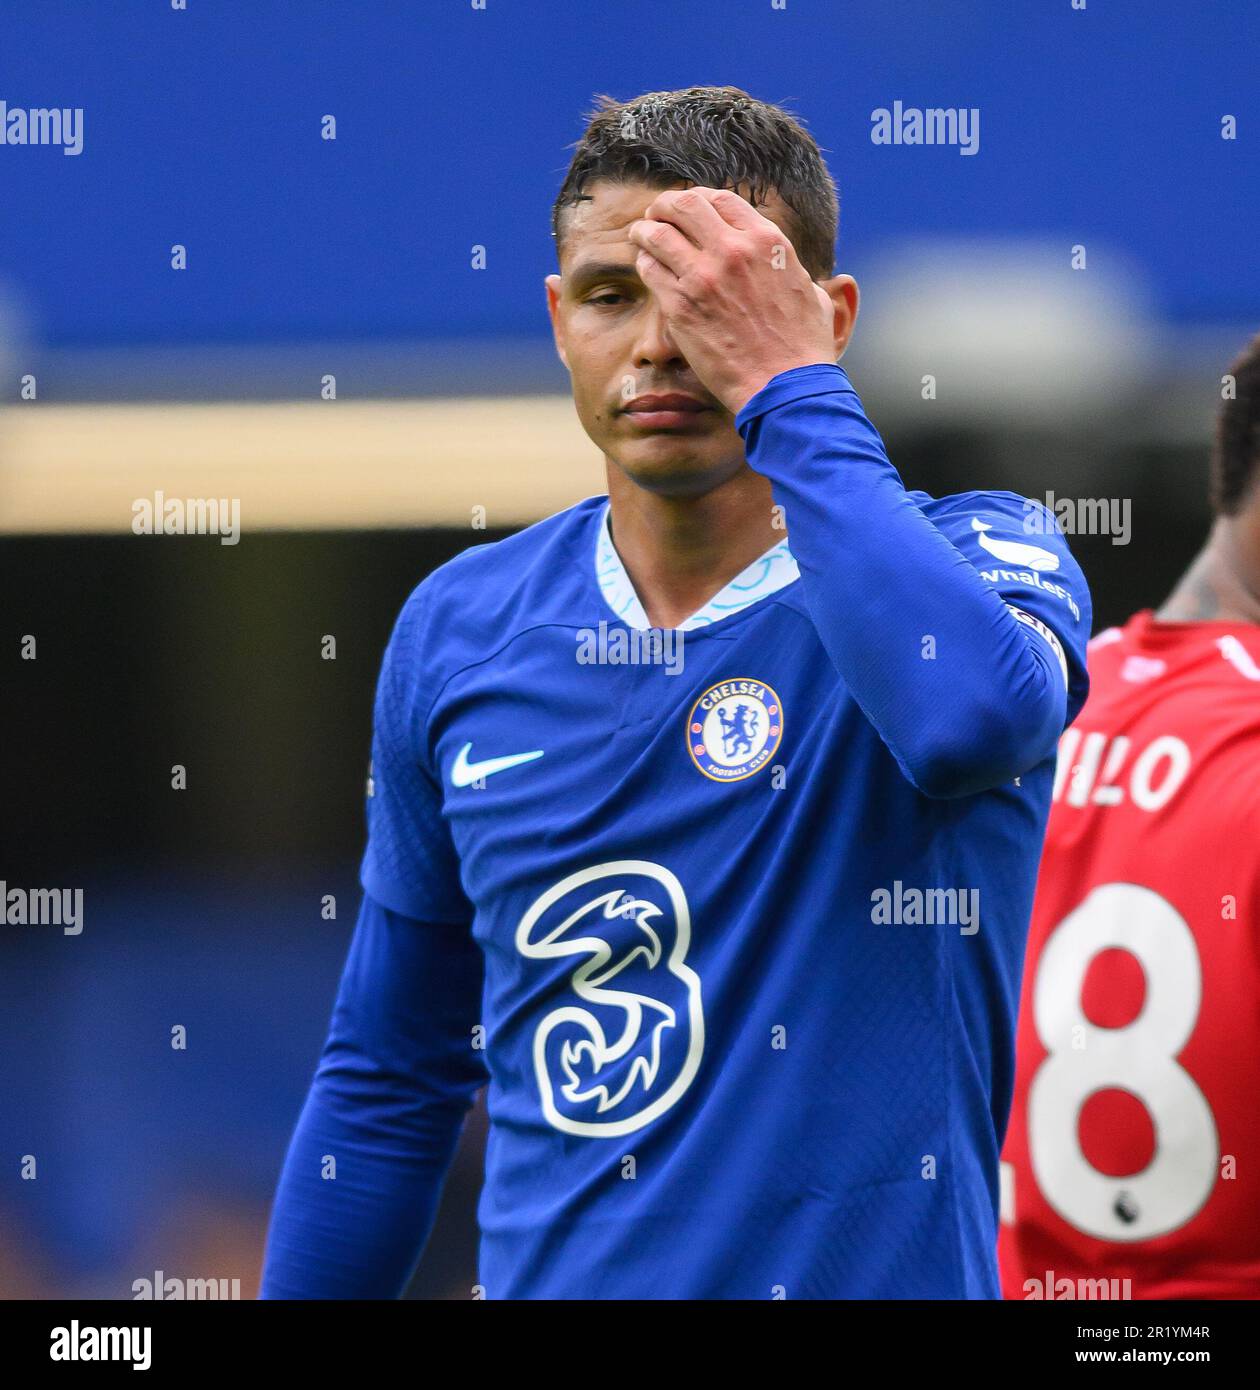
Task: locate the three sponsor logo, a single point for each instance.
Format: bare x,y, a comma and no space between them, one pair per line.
625,1040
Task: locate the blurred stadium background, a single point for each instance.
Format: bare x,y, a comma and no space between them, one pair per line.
357,258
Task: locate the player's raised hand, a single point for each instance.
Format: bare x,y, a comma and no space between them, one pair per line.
739,304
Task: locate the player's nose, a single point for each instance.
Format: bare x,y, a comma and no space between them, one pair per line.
654,347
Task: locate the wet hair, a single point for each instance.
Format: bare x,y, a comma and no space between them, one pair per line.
719,137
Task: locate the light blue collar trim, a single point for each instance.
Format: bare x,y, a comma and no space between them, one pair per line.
766,575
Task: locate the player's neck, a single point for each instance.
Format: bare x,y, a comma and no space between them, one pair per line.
681,551
1223,583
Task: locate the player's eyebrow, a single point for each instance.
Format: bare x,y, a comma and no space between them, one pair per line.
588,273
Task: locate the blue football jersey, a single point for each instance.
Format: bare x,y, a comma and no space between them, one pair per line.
749,991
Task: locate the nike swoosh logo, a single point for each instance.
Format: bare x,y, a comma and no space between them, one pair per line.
464,773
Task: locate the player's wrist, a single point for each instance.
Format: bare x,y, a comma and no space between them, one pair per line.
790,385
739,396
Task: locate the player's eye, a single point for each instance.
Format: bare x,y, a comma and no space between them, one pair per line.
607,299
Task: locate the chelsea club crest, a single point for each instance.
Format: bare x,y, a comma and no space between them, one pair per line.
734,729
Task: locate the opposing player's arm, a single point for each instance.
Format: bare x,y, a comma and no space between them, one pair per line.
361,1180
968,680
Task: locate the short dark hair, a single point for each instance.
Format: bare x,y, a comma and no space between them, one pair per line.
719,137
1236,455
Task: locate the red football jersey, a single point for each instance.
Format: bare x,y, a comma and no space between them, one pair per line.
1134,1143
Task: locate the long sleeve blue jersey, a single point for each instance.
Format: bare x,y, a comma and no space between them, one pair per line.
731,919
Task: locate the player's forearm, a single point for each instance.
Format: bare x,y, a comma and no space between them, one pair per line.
361,1180
949,677
358,1234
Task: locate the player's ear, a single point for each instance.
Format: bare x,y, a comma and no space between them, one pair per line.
842,290
553,308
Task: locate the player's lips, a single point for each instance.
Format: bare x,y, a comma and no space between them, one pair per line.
670,411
